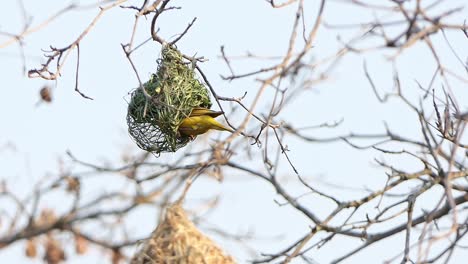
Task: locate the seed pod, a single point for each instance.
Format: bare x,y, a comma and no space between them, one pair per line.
46,94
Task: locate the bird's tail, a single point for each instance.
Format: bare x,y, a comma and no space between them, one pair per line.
219,126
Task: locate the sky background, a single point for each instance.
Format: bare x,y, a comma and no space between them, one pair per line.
34,138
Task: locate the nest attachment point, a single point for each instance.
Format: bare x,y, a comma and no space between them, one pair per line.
171,94
176,240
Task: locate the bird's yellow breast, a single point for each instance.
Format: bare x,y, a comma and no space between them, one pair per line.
200,121
192,126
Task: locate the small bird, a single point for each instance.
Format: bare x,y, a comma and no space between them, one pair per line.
200,121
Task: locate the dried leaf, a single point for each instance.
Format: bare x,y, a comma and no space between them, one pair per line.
54,253
31,249
46,94
81,245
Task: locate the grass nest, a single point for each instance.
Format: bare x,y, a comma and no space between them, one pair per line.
171,94
176,240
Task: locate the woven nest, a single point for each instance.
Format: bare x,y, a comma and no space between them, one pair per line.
173,92
176,240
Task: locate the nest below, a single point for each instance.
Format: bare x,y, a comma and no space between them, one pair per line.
176,240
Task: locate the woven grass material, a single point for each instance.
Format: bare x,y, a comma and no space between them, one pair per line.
174,91
176,240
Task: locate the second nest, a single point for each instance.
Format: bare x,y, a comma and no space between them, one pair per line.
176,240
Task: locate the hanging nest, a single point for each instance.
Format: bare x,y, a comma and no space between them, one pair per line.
172,93
176,240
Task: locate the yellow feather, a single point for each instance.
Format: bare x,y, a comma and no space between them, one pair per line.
198,111
200,121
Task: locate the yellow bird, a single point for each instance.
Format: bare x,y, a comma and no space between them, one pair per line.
200,121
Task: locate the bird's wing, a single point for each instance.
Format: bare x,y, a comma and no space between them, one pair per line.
199,111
